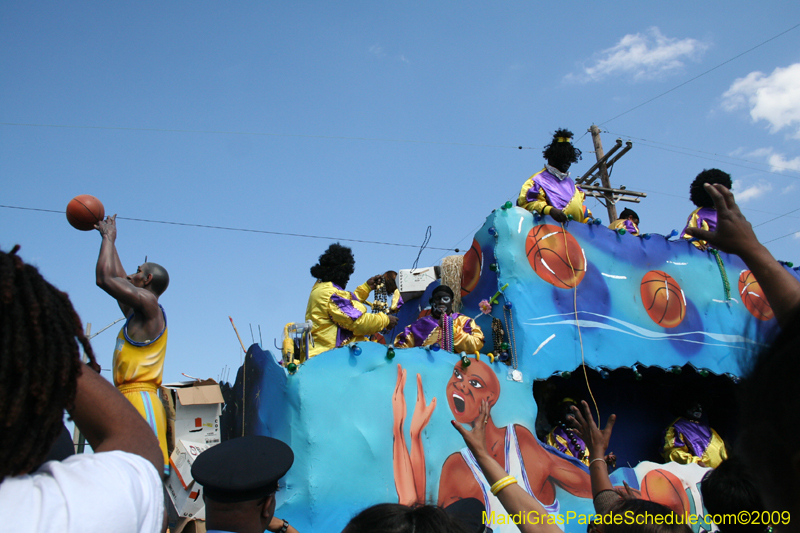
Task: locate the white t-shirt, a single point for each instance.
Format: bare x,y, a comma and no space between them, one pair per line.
110,491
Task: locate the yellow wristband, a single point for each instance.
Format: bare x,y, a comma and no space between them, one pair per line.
502,483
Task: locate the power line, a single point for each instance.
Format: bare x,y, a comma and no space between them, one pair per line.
776,218
262,134
720,161
700,151
782,237
700,75
247,230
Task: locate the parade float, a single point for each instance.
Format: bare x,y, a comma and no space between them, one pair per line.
627,323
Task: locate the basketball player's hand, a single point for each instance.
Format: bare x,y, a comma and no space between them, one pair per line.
595,438
108,227
476,438
558,215
734,233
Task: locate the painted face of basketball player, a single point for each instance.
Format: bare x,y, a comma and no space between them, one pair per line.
467,387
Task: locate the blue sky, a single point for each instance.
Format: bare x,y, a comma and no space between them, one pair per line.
367,121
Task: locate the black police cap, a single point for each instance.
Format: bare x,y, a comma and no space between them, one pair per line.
242,469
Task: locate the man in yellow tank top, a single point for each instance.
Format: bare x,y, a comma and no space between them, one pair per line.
142,342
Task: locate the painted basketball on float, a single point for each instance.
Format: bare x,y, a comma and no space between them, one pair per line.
555,256
663,299
753,297
666,488
471,271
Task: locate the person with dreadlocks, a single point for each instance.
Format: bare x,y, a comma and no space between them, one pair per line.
628,220
118,487
339,316
551,191
142,342
705,216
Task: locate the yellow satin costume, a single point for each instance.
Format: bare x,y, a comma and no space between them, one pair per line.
557,440
628,225
340,317
138,368
543,192
683,447
467,335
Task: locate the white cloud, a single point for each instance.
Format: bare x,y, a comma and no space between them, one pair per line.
774,98
788,188
745,194
780,163
376,50
777,161
402,58
797,235
642,56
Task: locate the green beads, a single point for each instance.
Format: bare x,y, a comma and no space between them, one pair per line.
292,368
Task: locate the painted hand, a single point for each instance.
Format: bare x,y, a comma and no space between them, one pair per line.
422,413
399,399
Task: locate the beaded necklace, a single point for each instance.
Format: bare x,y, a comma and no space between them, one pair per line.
446,333
575,444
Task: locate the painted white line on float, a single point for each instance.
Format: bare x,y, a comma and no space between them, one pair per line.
548,339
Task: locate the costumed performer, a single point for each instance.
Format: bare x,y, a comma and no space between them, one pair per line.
566,435
628,220
688,440
453,332
551,191
513,446
142,342
339,316
705,216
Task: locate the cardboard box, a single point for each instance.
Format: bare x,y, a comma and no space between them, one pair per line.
193,411
186,494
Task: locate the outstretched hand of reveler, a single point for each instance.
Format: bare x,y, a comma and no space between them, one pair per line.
596,439
734,234
475,439
108,227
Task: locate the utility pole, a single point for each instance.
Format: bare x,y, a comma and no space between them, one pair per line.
607,195
598,152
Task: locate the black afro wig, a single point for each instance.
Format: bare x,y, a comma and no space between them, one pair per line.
698,194
336,265
561,154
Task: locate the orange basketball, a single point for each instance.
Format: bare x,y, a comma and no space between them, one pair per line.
664,487
663,299
471,271
84,211
753,297
556,256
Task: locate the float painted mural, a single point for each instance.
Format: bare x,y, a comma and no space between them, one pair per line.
371,426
